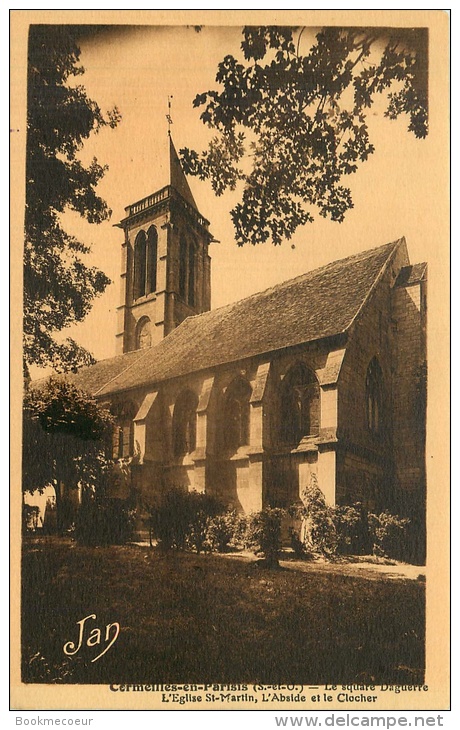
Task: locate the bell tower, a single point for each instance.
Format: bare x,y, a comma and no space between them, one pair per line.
166,267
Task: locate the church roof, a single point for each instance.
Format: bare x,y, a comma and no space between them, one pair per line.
313,306
410,275
177,177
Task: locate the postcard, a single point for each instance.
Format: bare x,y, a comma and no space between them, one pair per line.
230,403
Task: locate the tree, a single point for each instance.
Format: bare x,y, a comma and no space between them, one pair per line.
65,437
59,286
291,126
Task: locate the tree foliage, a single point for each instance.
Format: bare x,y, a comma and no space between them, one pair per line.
291,126
64,437
59,286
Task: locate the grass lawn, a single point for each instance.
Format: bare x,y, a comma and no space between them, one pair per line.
209,618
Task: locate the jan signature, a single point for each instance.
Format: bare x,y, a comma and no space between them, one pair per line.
94,638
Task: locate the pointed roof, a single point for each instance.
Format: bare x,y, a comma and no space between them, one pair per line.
177,177
175,184
319,304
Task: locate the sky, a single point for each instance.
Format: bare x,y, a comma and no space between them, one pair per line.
399,191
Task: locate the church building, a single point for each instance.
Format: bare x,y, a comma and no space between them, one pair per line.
322,375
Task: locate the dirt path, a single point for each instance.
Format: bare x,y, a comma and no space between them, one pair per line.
372,571
360,567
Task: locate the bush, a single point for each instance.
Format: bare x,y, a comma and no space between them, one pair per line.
202,508
390,535
104,522
169,521
181,520
347,529
264,534
352,529
225,530
317,534
30,517
240,534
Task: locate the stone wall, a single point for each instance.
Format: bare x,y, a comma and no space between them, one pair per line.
366,465
409,307
263,471
382,469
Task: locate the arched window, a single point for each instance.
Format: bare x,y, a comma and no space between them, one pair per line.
374,396
123,432
299,405
184,423
151,260
140,248
145,263
191,275
235,424
183,267
143,334
187,270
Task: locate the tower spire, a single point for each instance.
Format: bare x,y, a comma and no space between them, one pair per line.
177,177
168,116
164,225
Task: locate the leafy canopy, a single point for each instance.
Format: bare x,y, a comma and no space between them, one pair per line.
291,126
64,437
59,286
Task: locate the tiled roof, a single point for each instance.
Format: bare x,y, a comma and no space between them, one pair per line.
411,274
318,304
95,377
177,177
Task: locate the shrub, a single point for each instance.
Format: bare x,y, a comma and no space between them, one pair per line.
318,535
390,534
264,534
104,522
202,508
181,519
352,529
241,529
170,520
224,530
30,517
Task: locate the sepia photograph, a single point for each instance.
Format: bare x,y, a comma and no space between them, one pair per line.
231,354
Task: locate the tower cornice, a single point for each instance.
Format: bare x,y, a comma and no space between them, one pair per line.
162,200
